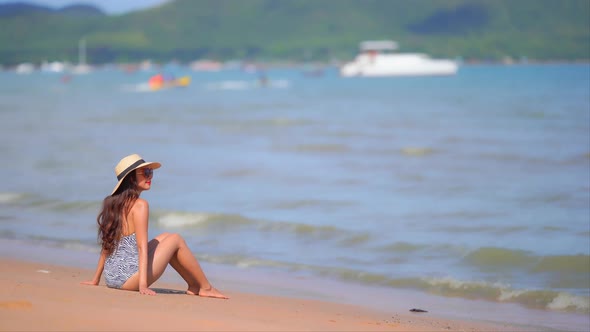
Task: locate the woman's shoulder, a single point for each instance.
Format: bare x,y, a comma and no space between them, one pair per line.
139,212
140,205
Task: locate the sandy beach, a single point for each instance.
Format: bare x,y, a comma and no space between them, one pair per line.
37,296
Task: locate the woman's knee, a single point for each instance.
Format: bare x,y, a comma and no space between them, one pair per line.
155,242
162,236
170,241
177,238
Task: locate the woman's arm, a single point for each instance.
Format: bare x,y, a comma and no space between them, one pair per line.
140,215
99,268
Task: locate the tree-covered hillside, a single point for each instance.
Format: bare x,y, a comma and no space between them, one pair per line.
186,30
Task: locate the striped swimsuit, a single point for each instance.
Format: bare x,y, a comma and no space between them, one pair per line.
122,263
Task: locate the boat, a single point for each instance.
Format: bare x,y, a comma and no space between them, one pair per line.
82,67
25,68
378,58
160,82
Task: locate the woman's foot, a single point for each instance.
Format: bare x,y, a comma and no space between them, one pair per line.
209,292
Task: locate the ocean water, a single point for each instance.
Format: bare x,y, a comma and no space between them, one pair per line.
474,186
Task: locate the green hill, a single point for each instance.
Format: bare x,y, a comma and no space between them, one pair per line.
186,30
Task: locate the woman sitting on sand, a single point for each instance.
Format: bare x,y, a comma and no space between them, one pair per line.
129,261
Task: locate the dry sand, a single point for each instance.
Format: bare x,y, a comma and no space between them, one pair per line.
41,297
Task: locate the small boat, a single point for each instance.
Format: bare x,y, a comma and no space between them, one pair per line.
159,82
377,58
82,67
25,68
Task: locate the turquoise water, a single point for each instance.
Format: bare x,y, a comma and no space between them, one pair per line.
474,186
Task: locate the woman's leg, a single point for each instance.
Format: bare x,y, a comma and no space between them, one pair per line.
171,248
184,273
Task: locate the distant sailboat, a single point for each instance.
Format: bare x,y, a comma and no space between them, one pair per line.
82,67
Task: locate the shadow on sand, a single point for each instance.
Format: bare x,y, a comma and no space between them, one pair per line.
168,291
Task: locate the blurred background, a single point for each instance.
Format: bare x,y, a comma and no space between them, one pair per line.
437,146
327,30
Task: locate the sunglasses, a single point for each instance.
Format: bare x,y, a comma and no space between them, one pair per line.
147,172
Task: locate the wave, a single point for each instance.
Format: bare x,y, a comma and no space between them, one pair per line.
417,151
449,287
476,290
200,220
460,214
492,229
558,271
538,299
564,264
561,271
76,206
89,245
8,197
77,245
61,206
403,247
235,222
491,257
26,200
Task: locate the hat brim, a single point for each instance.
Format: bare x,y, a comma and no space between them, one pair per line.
153,164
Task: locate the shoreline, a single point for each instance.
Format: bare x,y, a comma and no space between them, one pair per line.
279,64
386,308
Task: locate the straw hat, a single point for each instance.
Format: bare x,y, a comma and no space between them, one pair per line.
128,164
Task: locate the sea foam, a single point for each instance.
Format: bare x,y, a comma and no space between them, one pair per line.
8,197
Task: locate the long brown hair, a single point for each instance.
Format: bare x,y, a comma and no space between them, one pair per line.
114,209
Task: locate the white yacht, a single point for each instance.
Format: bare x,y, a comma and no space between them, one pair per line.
377,58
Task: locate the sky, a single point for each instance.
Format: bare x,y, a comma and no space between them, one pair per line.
108,6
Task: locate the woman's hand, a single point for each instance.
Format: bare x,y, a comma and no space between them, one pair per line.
90,283
146,291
